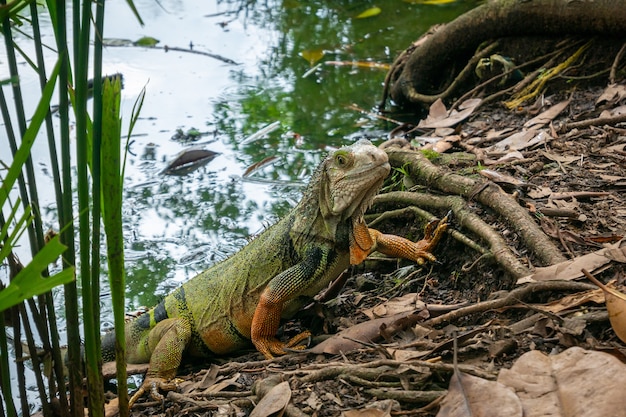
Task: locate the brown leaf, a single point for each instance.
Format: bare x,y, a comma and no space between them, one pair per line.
521,140
408,303
547,116
258,165
615,305
571,269
473,396
348,339
438,116
275,401
576,382
189,160
223,384
611,92
572,300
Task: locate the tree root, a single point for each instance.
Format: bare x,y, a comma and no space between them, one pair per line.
488,194
423,71
498,248
513,297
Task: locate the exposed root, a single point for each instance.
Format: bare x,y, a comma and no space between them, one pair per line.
498,248
488,194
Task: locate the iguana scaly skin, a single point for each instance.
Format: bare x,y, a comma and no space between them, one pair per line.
243,298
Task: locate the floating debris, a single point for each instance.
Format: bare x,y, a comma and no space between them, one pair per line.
189,160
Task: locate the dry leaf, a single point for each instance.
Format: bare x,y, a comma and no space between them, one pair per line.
571,269
612,91
576,382
189,160
348,339
223,384
473,396
521,140
547,116
274,401
408,303
615,305
438,116
572,300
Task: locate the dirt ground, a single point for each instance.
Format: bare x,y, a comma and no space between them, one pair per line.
391,335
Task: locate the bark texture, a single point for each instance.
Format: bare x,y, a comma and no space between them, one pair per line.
429,67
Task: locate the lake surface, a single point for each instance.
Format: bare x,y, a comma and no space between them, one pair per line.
176,226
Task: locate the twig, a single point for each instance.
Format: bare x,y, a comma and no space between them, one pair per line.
598,121
416,97
616,61
511,298
504,74
407,396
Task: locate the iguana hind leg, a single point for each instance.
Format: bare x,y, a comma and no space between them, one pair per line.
166,341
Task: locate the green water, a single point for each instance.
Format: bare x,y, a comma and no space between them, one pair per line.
180,225
176,226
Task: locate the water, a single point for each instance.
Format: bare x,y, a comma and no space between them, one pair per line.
176,226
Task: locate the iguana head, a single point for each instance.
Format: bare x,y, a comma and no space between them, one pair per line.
350,178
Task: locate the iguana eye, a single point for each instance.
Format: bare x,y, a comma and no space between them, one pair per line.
342,160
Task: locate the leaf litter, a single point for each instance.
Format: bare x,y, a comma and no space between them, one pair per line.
546,343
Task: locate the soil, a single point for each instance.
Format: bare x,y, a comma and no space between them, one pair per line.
571,182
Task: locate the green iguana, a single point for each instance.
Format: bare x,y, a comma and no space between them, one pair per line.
243,298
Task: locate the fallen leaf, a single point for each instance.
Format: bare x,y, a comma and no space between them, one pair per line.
350,338
521,140
359,64
312,55
563,159
275,401
407,303
539,192
611,92
571,269
615,305
372,11
470,395
223,384
438,116
547,116
189,160
572,300
576,382
258,165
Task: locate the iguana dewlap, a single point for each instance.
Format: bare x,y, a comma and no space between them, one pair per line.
243,298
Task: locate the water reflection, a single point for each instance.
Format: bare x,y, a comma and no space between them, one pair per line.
177,226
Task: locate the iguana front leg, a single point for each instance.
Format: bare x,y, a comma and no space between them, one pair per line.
166,343
282,288
396,246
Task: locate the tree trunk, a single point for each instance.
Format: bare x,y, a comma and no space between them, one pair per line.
428,68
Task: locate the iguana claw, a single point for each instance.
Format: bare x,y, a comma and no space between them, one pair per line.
271,346
153,385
